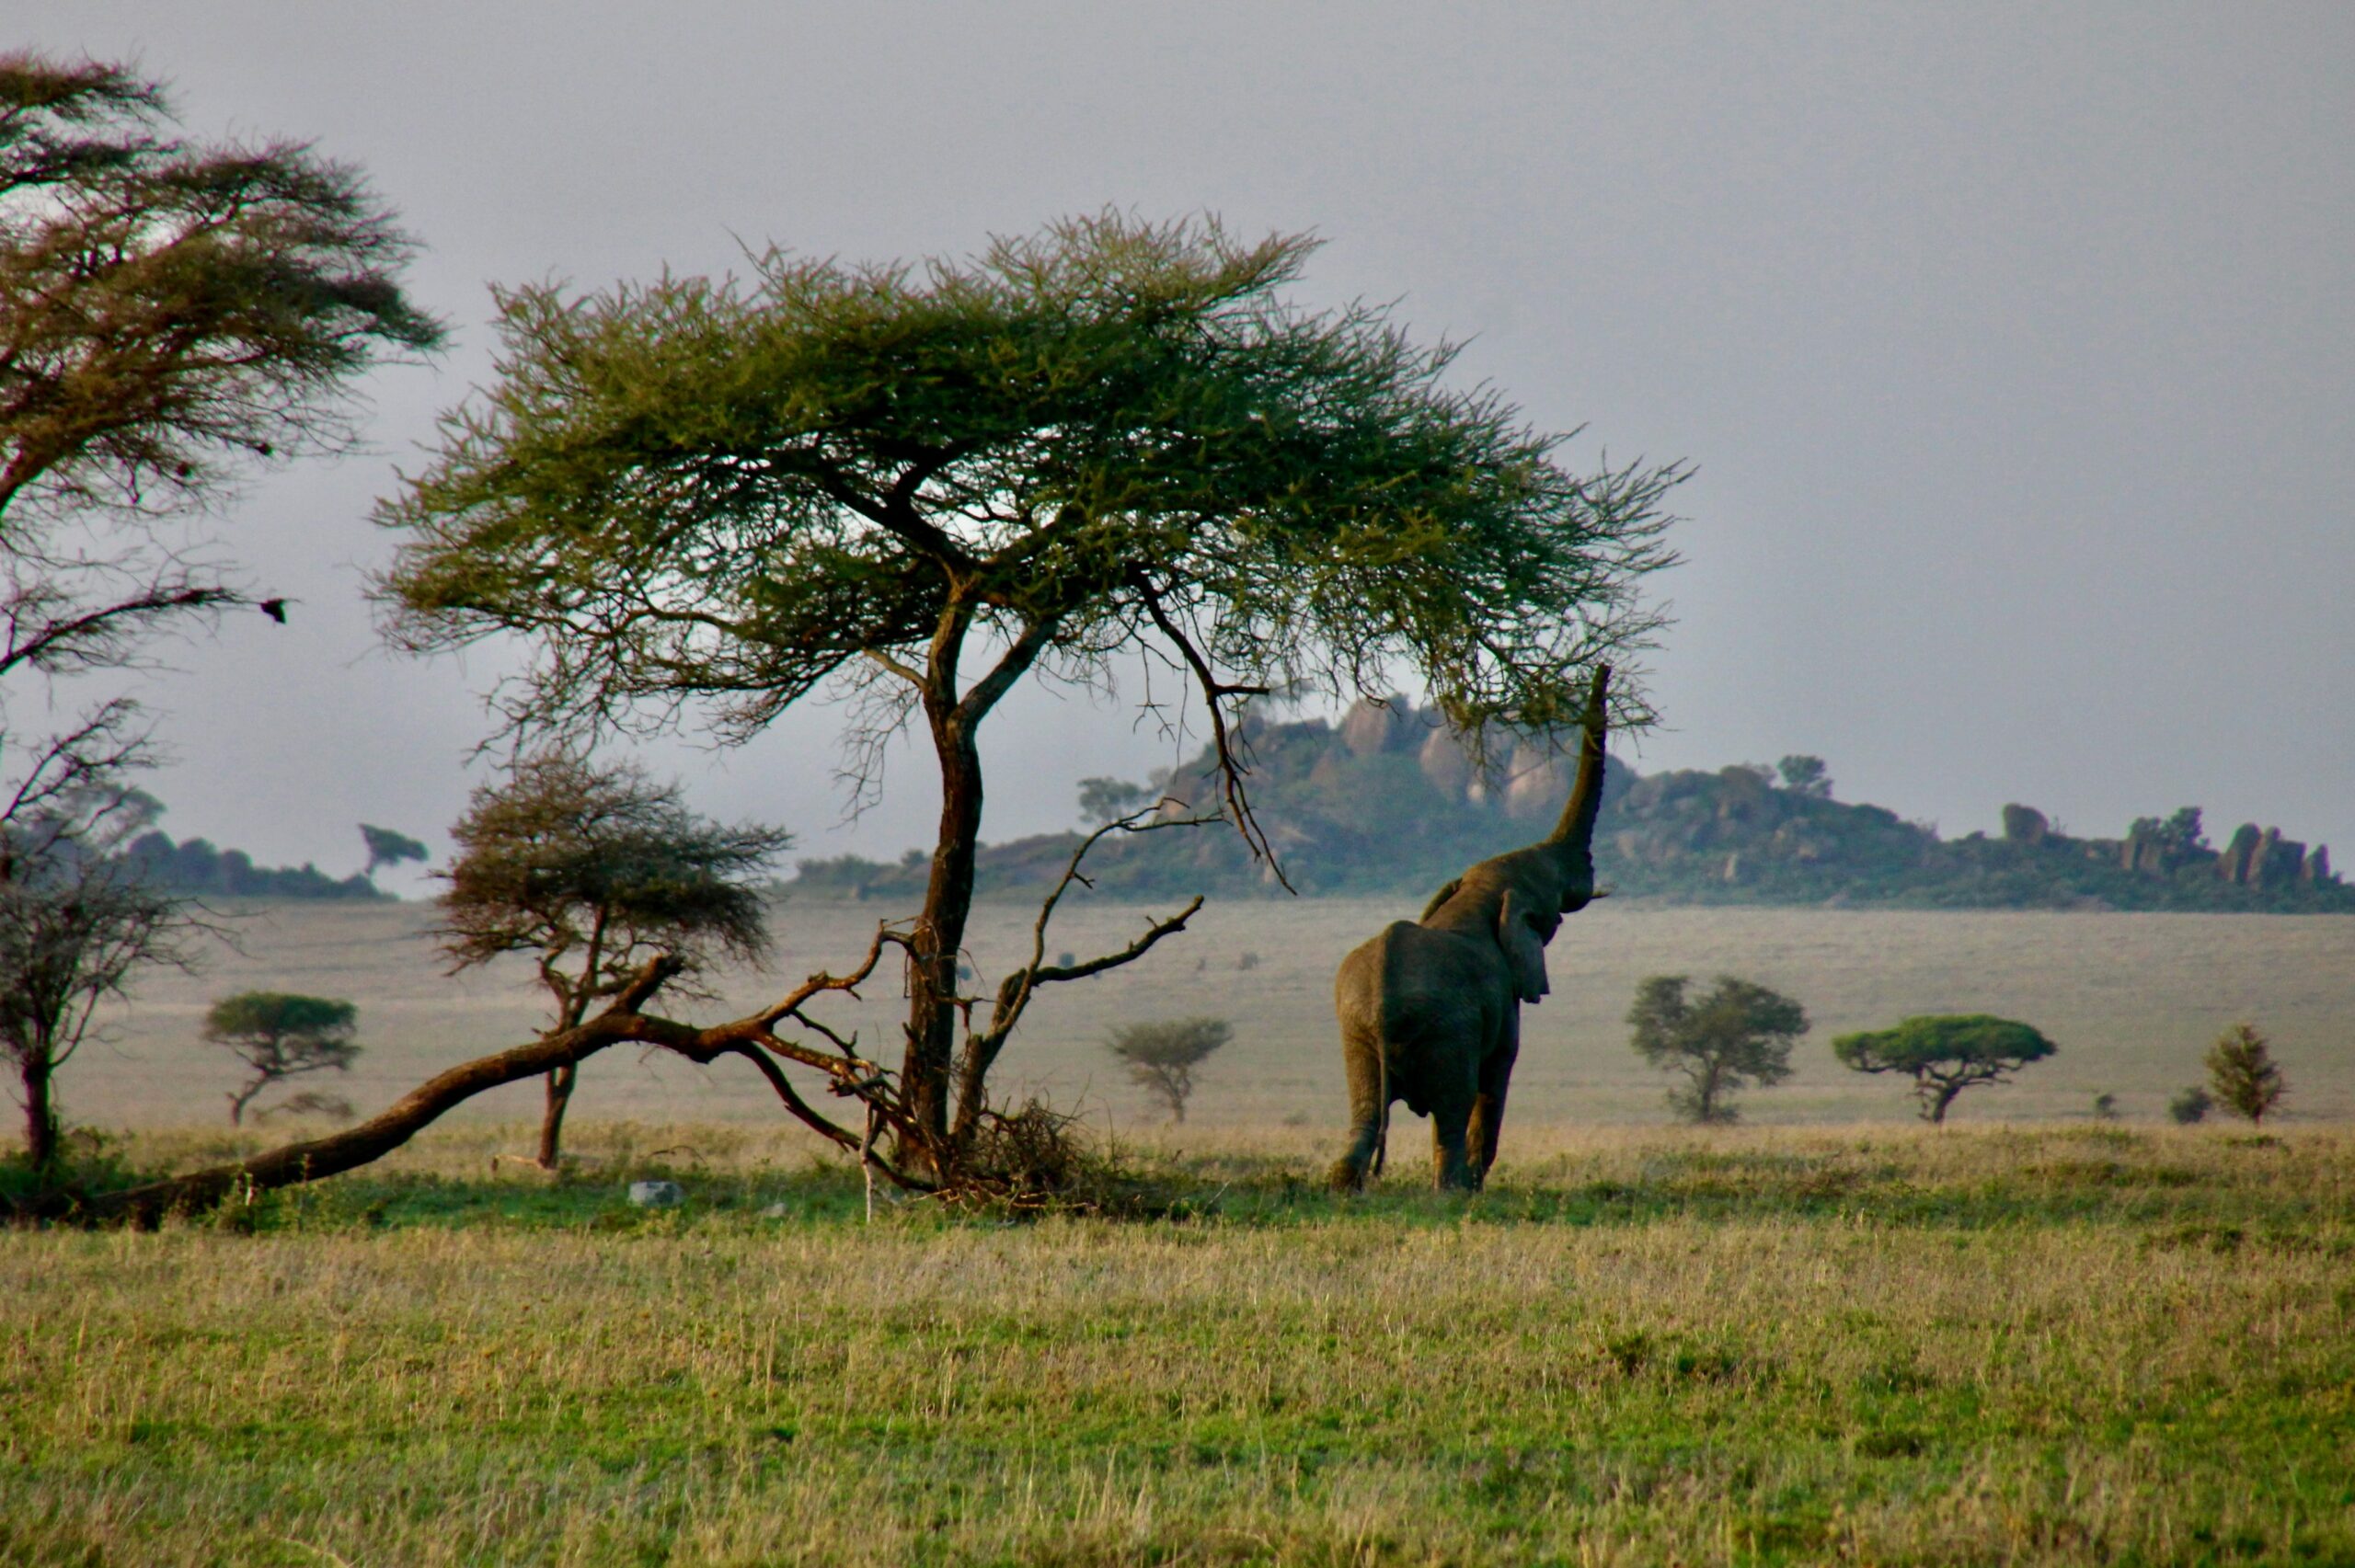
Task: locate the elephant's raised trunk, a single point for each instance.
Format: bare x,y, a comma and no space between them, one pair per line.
1575,831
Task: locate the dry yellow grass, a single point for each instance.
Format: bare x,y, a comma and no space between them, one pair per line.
2063,1345
2133,1001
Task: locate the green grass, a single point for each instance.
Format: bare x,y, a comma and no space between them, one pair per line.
2071,1346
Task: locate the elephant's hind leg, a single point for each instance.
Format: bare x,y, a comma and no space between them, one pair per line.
1452,1166
1489,1107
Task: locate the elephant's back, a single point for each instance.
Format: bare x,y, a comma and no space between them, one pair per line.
1407,976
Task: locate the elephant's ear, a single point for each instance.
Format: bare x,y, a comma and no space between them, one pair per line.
1524,951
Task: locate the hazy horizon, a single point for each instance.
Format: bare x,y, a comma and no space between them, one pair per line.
2012,349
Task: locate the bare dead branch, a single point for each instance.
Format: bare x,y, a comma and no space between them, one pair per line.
1223,743
1014,993
819,984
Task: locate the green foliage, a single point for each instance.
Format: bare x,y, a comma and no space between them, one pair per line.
1945,1053
1061,441
77,925
2243,1075
1806,776
2191,1106
2177,841
1740,1034
169,313
388,848
1107,800
1161,1055
929,484
173,310
592,868
280,1034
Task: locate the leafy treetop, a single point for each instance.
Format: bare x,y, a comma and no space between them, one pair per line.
2244,1075
386,847
170,310
1739,1033
700,488
594,868
1944,1055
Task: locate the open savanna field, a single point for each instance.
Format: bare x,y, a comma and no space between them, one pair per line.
2132,1000
1830,1333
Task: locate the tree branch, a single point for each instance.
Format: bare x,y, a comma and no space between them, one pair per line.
1014,993
1230,766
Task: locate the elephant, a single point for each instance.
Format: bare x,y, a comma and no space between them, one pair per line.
1430,1010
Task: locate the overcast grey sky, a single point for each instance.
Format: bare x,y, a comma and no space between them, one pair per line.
2014,344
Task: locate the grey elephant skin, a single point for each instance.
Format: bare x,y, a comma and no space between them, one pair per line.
1430,1009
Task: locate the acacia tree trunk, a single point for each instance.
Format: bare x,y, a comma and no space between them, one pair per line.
559,1095
240,1099
41,1114
1937,1095
939,936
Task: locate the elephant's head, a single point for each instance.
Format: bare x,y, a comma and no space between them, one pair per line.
1519,899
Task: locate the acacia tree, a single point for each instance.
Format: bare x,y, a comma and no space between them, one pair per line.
1736,1035
1944,1055
386,847
279,1035
1161,1055
1115,442
593,870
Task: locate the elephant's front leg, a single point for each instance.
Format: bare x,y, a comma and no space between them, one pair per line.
1488,1106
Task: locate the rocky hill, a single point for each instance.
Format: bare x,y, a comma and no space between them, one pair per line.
1390,802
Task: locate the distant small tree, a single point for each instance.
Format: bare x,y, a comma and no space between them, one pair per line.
2105,1107
1161,1057
1109,800
2190,1107
388,848
279,1035
1806,776
1946,1055
2179,841
594,869
1738,1034
2243,1074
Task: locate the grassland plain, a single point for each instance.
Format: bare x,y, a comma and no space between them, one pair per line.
2044,1344
2133,999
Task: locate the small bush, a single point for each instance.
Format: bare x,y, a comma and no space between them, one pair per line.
2191,1106
2243,1075
1161,1057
